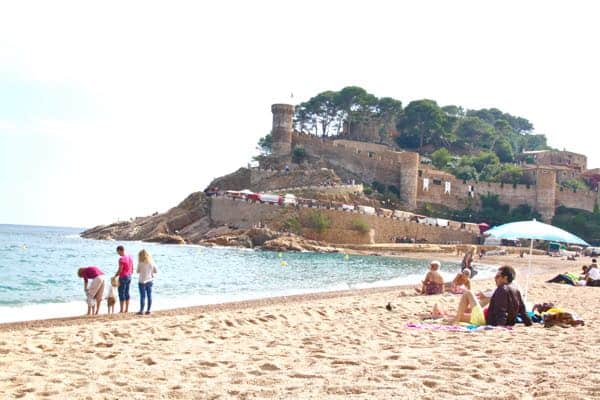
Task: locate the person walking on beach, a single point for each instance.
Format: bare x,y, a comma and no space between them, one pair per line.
146,270
124,273
93,286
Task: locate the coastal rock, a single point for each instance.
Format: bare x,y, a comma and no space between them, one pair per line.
185,222
166,239
242,241
296,243
259,236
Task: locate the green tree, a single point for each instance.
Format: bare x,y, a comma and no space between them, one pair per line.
299,154
422,122
265,144
509,174
485,158
473,132
440,158
465,172
454,111
575,184
504,150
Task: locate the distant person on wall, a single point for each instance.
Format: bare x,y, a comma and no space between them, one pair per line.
146,269
93,286
124,273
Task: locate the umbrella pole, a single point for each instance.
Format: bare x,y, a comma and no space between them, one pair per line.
528,269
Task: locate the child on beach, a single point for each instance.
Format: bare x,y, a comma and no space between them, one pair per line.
461,282
112,294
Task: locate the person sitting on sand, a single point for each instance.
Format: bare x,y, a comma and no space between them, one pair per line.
433,282
505,305
461,282
593,274
93,285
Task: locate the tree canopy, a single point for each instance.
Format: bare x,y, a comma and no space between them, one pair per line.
326,113
422,124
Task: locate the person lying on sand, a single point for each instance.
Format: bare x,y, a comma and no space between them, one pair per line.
505,305
433,282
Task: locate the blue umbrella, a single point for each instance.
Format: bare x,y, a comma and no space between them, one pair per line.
534,230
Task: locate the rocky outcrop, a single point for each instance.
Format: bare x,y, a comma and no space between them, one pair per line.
237,180
186,222
297,243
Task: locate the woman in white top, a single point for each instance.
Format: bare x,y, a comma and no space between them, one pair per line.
146,269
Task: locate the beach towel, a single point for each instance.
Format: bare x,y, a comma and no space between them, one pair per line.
455,328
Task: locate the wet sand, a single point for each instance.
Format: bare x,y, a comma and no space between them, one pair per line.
330,345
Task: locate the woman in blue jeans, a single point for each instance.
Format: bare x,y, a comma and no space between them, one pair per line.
146,270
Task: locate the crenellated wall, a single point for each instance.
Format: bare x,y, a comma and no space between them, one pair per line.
584,200
225,211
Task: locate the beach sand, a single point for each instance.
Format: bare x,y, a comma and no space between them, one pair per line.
332,345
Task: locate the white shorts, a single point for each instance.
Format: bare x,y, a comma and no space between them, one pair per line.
95,290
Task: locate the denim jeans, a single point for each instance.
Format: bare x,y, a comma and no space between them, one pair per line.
145,291
124,288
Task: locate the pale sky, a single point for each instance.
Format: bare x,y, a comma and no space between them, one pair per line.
119,109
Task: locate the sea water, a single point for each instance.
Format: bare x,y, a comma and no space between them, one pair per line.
38,272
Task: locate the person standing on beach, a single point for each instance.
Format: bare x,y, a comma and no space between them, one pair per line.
124,273
93,285
146,269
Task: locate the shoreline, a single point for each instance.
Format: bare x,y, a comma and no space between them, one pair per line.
495,261
277,298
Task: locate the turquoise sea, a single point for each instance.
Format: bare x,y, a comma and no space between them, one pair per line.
38,272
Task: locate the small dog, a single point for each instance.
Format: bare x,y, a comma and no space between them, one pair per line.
112,294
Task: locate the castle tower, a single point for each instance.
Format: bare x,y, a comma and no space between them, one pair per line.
545,189
282,129
409,176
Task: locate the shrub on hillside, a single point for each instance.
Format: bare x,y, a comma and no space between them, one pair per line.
360,226
318,221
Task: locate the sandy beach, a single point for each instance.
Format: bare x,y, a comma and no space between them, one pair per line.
331,345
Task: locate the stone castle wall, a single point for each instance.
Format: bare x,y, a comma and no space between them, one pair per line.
584,200
389,167
225,211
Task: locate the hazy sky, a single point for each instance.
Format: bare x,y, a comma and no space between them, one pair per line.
120,109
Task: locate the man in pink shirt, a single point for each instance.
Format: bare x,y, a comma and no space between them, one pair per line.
124,273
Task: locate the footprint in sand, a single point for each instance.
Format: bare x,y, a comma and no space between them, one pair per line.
269,367
149,361
208,364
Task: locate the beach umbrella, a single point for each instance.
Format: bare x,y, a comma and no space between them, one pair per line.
534,230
